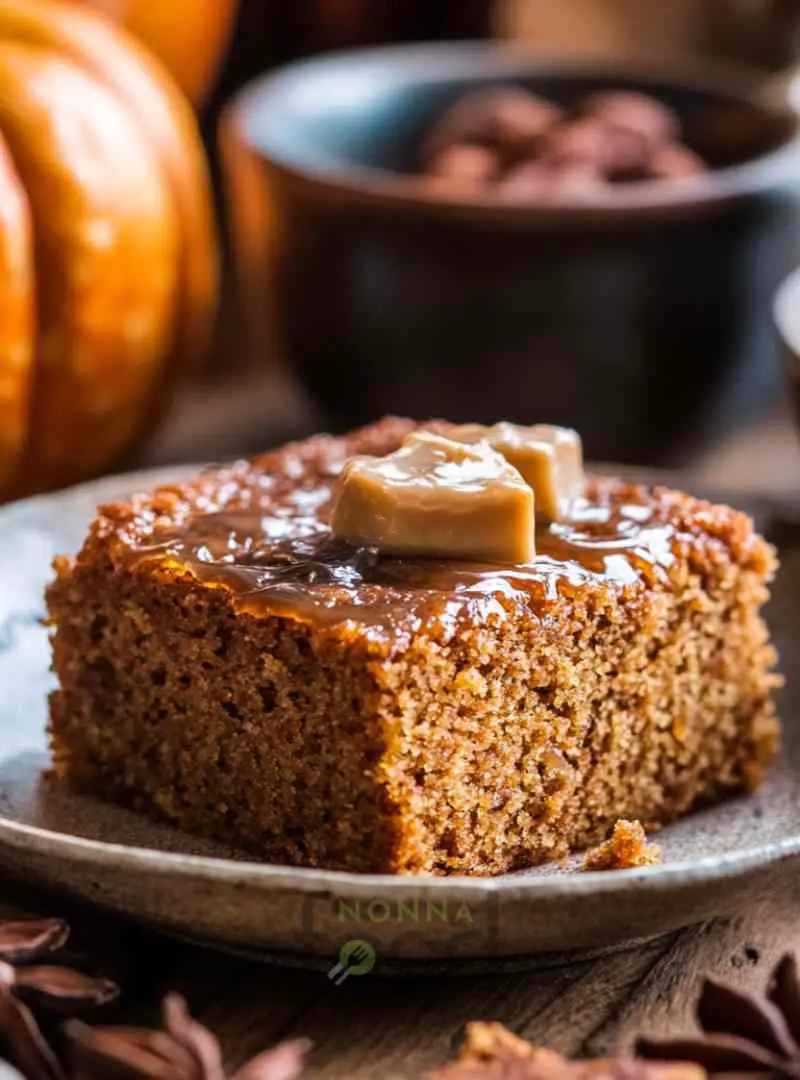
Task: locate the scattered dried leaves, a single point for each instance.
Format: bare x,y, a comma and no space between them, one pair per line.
742,1036
22,942
184,1050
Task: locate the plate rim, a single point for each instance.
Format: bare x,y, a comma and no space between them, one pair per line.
710,868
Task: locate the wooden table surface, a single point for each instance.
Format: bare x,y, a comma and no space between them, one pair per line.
401,1027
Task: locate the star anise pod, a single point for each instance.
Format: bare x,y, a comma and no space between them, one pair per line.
755,1035
22,943
184,1050
491,1052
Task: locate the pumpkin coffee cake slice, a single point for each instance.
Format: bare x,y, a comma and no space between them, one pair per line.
414,649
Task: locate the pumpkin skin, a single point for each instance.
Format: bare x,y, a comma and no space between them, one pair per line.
107,243
189,36
16,317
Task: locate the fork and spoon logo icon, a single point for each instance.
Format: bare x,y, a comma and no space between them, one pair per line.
356,957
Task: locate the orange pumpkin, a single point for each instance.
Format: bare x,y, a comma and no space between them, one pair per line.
190,36
108,268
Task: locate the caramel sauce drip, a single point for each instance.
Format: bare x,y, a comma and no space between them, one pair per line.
279,557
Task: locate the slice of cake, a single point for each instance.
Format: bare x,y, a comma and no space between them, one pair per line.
228,663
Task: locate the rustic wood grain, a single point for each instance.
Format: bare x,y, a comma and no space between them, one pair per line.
399,1027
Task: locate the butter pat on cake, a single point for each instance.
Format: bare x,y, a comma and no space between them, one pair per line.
228,663
436,496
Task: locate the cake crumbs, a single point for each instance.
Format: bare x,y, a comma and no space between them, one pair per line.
492,1052
626,849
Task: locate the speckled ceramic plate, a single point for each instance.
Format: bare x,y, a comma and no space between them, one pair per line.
713,862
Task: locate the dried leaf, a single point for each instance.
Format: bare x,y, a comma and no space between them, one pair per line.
106,1053
723,1009
716,1053
197,1040
284,1062
784,993
66,985
25,939
21,1041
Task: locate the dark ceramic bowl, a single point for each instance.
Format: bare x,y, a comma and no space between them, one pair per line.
643,321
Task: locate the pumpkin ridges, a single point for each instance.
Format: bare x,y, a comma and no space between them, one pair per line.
105,240
165,117
192,55
190,38
16,317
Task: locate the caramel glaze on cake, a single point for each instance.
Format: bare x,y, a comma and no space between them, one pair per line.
225,664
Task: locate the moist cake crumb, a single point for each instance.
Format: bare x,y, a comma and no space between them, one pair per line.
225,664
626,849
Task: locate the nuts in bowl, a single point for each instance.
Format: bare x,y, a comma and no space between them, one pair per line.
518,146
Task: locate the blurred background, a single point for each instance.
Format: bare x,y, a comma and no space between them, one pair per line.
343,291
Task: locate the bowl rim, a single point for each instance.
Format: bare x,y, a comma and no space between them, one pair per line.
441,61
786,312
